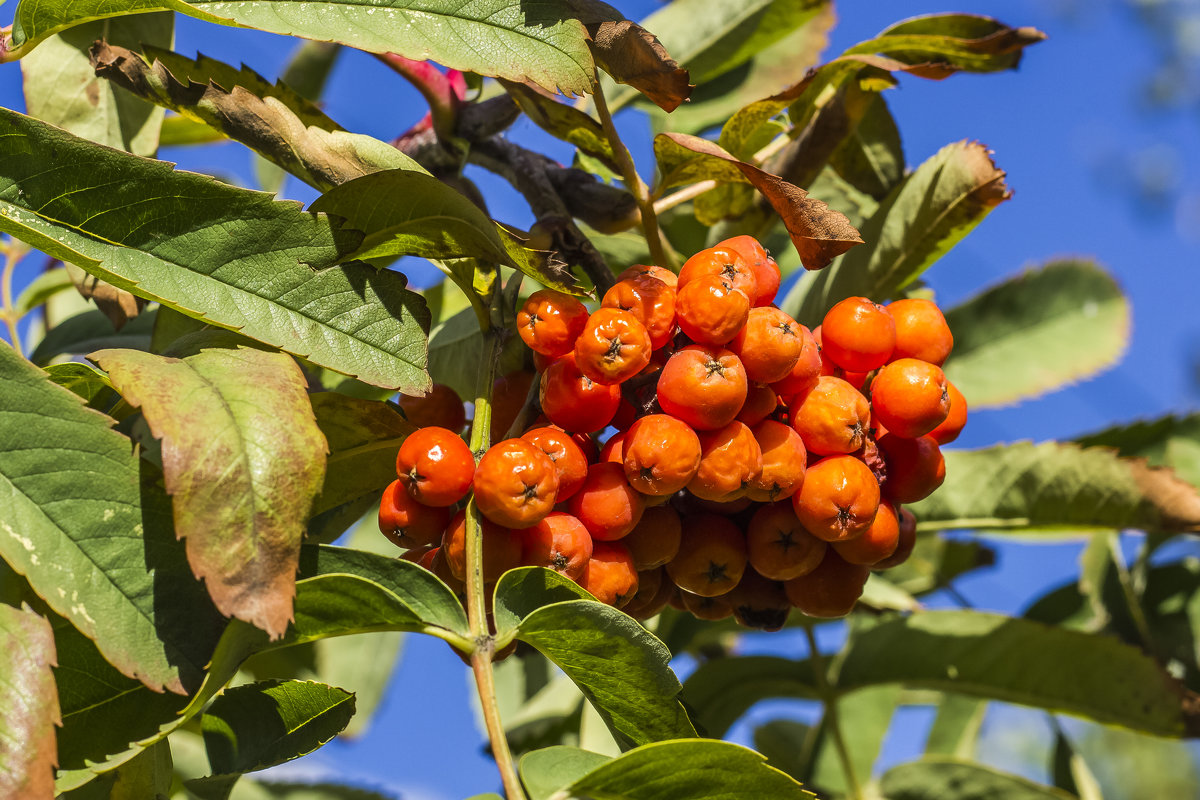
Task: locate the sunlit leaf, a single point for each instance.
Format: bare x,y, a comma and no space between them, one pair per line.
1170,441
545,771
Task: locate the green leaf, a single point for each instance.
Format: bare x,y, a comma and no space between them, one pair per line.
835,191
871,158
235,258
867,714
944,43
1056,486
29,710
782,741
519,592
456,347
494,37
148,774
178,131
227,416
696,769
1019,661
92,330
937,560
545,771
564,122
41,289
1070,771
62,88
937,779
1049,328
919,222
620,667
955,728
364,437
410,212
87,382
94,542
275,790
721,690
259,725
1170,441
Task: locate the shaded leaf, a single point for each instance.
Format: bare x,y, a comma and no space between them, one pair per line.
495,38
868,713
818,233
545,771
364,437
227,417
178,131
1170,441
1070,771
1018,661
456,347
564,122
618,665
722,689
696,769
93,540
1065,321
41,289
936,779
92,330
146,775
85,381
937,560
955,728
117,304
519,592
1054,485
871,158
834,190
29,710
941,44
919,222
232,257
782,742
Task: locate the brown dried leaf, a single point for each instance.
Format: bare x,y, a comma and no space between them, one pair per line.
1177,500
633,55
117,304
819,233
28,705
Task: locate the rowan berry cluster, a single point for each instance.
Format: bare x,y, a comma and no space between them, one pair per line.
750,466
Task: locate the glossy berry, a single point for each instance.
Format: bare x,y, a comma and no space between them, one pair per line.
559,542
858,334
830,590
549,322
711,310
408,523
574,401
610,574
838,499
435,466
921,331
515,484
778,546
661,454
722,262
910,397
703,386
606,504
613,347
712,557
832,418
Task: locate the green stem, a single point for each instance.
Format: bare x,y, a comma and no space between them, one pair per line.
484,643
12,256
832,724
1132,601
655,240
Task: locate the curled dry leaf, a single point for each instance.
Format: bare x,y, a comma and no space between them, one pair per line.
819,233
117,304
632,55
29,707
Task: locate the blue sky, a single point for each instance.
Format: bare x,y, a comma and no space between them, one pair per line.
1068,127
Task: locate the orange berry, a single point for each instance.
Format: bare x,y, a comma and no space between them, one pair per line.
761,402
712,558
832,418
501,548
778,545
730,461
766,271
655,539
907,540
441,408
915,467
408,523
645,270
910,397
613,347
610,575
769,345
549,322
703,386
921,331
435,466
654,593
606,504
515,484
710,609
838,499
830,590
803,376
570,461
783,460
858,334
723,262
661,455
651,301
949,429
710,310
559,542
575,402
614,448
759,602
875,543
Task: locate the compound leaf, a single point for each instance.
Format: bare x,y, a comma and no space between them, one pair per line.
1066,320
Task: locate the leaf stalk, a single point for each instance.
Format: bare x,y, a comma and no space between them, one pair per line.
832,723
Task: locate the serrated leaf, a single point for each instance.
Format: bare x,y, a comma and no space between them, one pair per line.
364,437
1067,321
87,382
936,779
695,769
941,44
619,666
1019,661
1170,441
93,539
519,592
29,710
496,38
545,771
259,725
1056,485
919,222
266,279
721,690
818,233
564,122
92,330
242,458
782,742
178,131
